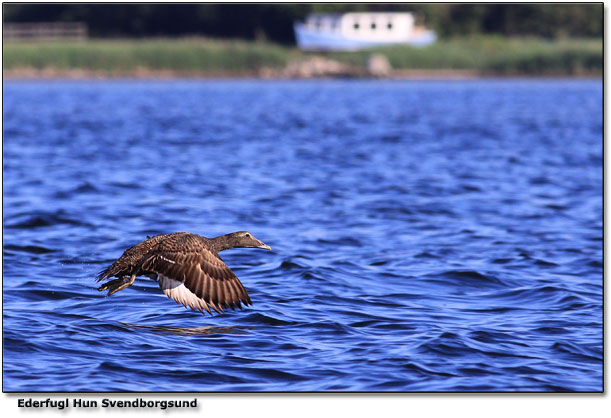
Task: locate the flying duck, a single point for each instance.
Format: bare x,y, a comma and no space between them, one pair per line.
188,268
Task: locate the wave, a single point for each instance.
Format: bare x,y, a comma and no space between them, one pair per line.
39,219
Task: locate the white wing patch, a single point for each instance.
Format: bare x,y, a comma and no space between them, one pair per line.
177,291
168,260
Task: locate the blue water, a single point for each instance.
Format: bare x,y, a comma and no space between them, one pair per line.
427,236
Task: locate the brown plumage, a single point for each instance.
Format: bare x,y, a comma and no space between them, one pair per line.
188,268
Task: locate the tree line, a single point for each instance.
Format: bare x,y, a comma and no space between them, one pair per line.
274,22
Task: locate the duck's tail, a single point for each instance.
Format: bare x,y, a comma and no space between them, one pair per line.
103,275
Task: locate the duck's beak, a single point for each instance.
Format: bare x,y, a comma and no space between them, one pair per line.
263,246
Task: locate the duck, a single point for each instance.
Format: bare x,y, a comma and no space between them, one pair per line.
187,267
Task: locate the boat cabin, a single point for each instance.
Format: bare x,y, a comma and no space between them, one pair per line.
371,26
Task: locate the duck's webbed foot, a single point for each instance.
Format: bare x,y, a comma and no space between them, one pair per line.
118,284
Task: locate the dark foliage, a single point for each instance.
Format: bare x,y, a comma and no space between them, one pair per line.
274,21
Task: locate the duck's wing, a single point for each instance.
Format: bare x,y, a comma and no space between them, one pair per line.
126,264
191,274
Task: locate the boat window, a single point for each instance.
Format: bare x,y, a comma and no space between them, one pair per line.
356,25
373,25
389,26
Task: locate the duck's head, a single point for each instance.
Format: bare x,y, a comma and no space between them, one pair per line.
244,239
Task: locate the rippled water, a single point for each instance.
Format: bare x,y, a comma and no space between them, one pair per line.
427,236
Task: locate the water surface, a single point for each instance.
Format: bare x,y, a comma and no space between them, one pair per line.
427,236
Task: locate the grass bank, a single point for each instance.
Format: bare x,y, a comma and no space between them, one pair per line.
204,57
116,57
496,56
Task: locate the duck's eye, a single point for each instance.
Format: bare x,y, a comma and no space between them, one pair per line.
247,235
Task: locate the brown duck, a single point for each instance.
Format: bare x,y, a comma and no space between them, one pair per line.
188,268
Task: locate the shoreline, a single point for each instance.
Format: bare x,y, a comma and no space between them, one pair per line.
265,74
455,59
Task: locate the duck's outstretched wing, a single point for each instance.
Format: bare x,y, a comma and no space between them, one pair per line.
191,274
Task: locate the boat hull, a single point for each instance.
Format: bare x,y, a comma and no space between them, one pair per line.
309,39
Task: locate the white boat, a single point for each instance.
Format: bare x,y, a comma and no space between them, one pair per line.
351,31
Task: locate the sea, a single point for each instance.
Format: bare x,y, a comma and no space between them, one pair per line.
427,236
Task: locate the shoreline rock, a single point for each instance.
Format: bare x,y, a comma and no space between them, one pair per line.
378,66
311,67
